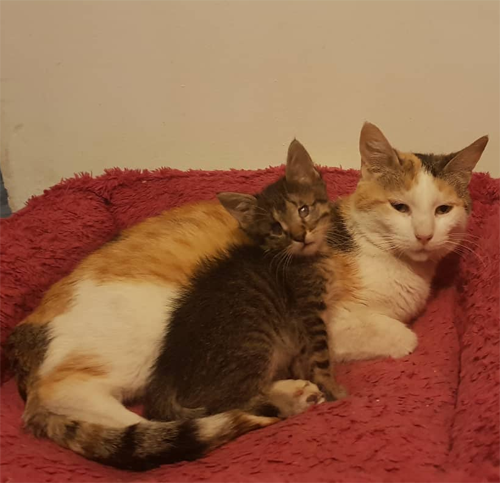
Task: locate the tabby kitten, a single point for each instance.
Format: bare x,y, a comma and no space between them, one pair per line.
238,348
254,316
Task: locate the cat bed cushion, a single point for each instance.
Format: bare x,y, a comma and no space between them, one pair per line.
432,416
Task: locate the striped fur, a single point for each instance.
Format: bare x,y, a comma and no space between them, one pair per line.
147,444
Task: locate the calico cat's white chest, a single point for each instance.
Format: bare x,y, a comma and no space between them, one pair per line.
393,287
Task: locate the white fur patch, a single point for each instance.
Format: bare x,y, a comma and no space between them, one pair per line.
211,426
122,324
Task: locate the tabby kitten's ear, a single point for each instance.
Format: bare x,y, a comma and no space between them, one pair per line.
299,165
462,164
240,205
377,155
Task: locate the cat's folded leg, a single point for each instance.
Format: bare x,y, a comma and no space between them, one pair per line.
90,401
357,333
285,398
325,379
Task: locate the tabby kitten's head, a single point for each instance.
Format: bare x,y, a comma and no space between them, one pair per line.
415,205
291,214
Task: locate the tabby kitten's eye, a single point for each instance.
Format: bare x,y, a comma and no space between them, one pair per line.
443,209
276,229
303,211
401,207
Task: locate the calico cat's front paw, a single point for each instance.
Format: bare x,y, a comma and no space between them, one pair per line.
381,336
402,342
294,396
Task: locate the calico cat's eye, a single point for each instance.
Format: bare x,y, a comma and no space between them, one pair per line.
401,207
276,229
443,209
303,211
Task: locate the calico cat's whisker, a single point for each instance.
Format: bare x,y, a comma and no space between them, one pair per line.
464,250
472,245
465,242
465,235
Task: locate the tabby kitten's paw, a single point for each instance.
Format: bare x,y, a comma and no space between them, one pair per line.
294,396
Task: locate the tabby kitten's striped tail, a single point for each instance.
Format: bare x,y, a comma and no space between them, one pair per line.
147,444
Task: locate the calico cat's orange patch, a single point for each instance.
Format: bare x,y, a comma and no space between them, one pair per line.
378,191
343,278
166,248
80,366
56,301
410,162
341,270
368,195
450,193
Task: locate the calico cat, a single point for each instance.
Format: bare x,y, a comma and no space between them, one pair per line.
408,211
239,349
93,340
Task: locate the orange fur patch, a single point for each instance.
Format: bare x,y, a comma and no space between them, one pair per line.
343,279
373,192
340,269
78,366
450,192
56,301
166,248
368,195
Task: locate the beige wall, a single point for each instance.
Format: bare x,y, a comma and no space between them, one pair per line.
89,85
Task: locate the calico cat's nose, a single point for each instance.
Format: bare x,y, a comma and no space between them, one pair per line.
424,239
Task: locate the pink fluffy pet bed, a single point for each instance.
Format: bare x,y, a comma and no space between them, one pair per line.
432,416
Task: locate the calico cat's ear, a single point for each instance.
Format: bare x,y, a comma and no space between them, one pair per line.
240,205
465,161
377,155
299,165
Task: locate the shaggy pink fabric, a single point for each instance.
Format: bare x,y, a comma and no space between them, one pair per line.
433,416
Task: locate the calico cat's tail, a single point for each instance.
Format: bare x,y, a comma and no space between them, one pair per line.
147,444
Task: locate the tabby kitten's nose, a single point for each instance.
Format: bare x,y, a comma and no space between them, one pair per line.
299,238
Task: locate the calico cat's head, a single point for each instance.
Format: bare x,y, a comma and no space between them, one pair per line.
413,204
292,214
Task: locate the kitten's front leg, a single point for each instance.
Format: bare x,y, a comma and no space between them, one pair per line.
357,333
324,378
321,367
